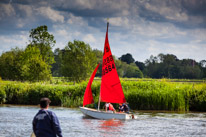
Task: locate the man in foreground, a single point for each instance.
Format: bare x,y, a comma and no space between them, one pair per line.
45,122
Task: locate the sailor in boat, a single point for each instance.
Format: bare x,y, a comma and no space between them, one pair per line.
109,108
123,108
126,108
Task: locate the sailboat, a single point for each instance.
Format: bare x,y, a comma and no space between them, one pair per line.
110,91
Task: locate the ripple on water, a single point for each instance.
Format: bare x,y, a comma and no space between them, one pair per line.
15,121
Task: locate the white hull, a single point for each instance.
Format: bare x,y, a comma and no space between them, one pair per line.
104,115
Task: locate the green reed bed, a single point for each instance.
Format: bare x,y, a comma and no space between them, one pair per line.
141,95
154,95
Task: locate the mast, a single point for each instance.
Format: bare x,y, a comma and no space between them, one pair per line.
111,88
99,101
102,62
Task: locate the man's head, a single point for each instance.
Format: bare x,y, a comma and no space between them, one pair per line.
44,102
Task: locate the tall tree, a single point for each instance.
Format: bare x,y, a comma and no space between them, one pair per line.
99,55
78,61
127,58
141,65
41,38
132,71
202,65
10,64
56,67
33,67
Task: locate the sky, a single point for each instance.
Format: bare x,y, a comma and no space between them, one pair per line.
139,27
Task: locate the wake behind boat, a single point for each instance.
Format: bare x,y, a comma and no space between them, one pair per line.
110,91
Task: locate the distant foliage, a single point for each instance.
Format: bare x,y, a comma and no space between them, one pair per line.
128,70
169,66
2,95
44,41
56,67
127,58
78,61
10,64
33,67
32,63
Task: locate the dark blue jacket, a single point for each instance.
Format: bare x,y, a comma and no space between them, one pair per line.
46,124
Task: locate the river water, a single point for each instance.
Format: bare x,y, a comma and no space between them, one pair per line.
15,121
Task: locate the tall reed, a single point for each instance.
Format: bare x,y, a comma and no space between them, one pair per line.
141,95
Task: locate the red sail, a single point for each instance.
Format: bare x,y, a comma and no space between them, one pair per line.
111,89
88,98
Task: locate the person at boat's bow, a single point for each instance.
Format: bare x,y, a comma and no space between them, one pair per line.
123,108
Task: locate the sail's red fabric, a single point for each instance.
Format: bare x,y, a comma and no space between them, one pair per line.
111,89
88,98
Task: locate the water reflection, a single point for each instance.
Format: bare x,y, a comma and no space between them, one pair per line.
110,127
112,124
96,127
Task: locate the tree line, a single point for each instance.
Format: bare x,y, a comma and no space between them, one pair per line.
37,62
169,66
77,60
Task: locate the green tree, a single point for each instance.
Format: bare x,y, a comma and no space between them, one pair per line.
202,65
120,66
78,61
170,66
10,64
133,71
127,58
41,38
33,67
99,56
56,67
140,65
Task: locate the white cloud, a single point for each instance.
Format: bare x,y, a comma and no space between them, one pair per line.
150,30
85,4
6,10
51,14
119,21
27,9
76,20
89,38
172,12
62,33
114,7
21,23
12,41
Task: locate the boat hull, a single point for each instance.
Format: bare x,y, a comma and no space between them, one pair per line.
105,115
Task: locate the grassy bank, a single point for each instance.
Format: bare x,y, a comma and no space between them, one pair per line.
140,94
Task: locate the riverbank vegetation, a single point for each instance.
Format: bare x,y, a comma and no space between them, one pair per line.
140,94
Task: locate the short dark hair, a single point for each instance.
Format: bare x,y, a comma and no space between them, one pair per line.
44,102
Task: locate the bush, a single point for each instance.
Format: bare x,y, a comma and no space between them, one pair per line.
2,96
